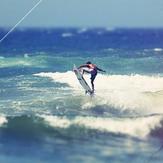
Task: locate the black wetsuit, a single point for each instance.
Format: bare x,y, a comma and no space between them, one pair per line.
93,71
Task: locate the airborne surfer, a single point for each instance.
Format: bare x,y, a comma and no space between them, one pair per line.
91,69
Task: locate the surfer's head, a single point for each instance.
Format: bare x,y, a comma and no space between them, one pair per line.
88,62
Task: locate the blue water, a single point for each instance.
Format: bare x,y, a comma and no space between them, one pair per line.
46,117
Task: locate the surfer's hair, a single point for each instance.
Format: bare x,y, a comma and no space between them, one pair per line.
88,62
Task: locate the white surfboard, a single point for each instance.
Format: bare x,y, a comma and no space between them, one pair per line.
82,80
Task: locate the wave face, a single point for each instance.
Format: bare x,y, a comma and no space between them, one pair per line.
45,115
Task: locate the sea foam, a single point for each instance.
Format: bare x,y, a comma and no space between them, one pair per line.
138,93
2,120
127,126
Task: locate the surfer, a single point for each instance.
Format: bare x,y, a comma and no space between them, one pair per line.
91,69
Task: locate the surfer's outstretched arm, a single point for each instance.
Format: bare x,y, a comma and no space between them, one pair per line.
99,69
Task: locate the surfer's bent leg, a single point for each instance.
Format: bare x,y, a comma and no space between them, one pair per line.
93,76
92,85
85,71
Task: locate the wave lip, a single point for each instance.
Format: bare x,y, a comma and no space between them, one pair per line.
136,127
40,125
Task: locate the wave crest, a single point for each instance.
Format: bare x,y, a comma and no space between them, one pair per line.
126,126
142,94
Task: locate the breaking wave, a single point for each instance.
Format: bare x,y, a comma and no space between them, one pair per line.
138,93
42,125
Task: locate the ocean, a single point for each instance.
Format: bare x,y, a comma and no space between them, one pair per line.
45,116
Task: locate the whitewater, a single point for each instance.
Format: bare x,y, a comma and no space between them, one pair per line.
45,115
135,92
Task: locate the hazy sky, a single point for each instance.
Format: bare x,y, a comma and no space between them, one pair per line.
83,13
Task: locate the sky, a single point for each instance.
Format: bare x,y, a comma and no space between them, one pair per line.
83,13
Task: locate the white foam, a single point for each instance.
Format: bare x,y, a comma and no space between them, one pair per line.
158,49
26,55
26,60
139,127
67,34
135,92
3,120
67,77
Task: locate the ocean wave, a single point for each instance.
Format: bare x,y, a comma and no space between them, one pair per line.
126,126
154,49
23,61
67,34
82,30
3,120
46,125
137,93
158,49
2,57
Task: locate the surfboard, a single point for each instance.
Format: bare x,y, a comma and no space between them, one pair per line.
82,81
